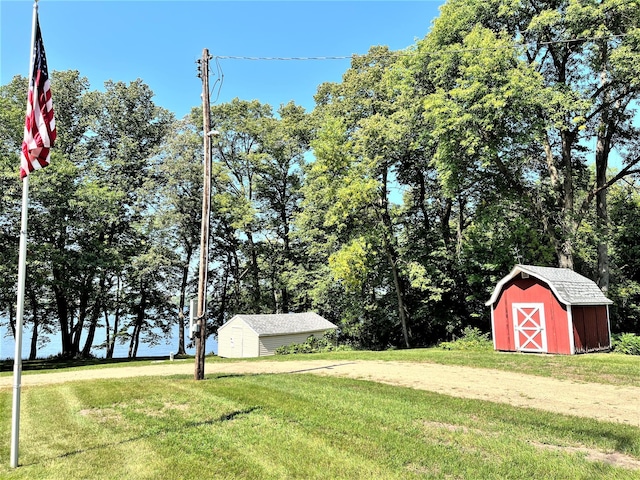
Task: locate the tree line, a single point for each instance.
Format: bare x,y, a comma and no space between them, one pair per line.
508,134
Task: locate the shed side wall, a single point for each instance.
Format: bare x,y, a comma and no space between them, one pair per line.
250,343
268,345
591,328
502,325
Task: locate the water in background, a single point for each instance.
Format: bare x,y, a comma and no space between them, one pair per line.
53,347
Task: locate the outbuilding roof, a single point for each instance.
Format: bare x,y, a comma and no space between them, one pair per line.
570,287
285,323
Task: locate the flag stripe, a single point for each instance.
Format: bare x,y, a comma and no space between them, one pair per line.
39,123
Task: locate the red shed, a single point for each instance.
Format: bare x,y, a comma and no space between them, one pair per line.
549,310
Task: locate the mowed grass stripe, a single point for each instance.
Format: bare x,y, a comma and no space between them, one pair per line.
295,426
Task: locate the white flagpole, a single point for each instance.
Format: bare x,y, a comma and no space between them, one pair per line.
22,274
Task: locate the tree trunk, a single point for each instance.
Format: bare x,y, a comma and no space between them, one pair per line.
135,337
82,315
460,226
255,272
33,352
223,293
111,339
603,148
12,318
237,277
565,256
63,316
183,301
602,213
392,257
287,255
568,222
135,340
445,227
95,315
91,333
402,312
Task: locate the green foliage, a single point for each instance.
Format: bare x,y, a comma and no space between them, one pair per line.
327,343
472,339
624,207
349,264
627,343
392,208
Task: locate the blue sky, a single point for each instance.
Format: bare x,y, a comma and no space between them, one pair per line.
159,42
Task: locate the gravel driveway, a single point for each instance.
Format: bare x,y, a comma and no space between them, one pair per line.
603,402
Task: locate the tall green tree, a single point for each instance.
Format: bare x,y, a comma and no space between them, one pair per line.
52,195
236,153
281,158
360,143
128,129
518,90
624,212
12,104
178,206
257,158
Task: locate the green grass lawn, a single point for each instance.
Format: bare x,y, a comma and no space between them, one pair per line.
306,426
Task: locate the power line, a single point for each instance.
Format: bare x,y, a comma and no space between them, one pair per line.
241,57
408,53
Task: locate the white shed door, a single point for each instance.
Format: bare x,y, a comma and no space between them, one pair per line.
529,327
236,341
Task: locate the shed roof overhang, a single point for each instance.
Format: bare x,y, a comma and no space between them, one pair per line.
561,295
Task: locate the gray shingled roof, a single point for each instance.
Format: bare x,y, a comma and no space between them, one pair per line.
570,287
286,323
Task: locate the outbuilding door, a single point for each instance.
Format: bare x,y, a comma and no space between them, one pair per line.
236,341
529,327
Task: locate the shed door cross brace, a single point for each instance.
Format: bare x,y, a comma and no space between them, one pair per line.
529,327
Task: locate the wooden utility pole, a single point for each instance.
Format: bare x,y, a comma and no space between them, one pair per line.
201,331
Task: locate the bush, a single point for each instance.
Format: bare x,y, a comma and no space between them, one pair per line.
472,339
327,343
627,343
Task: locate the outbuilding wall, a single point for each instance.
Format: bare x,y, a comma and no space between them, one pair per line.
269,344
237,340
530,290
591,328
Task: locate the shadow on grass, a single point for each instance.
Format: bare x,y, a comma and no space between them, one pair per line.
303,370
223,418
324,367
215,376
189,425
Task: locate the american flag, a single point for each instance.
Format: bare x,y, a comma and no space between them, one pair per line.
39,123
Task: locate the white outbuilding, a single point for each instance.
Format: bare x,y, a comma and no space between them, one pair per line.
259,335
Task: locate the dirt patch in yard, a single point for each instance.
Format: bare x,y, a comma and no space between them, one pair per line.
614,458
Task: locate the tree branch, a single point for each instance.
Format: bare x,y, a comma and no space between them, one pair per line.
625,172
